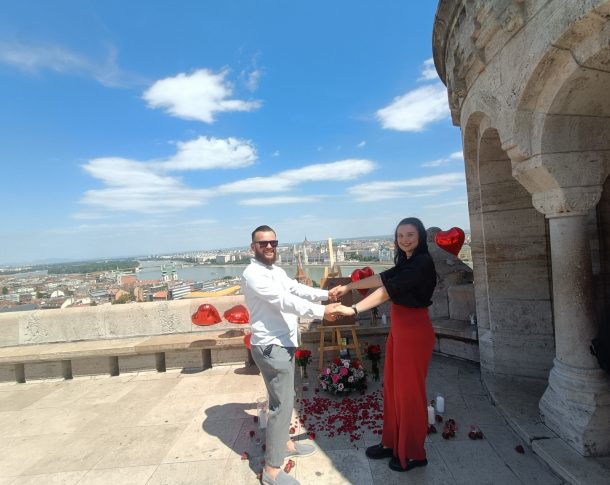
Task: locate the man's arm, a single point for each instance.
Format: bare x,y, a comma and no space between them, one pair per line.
306,292
281,297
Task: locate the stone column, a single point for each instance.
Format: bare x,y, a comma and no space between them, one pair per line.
576,403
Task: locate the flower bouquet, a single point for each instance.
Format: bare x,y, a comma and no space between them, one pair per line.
302,359
343,376
373,353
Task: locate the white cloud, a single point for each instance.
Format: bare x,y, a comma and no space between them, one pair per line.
283,181
198,222
361,144
447,204
415,109
135,187
197,96
417,187
280,200
436,163
122,172
252,79
445,160
257,184
31,57
146,187
89,215
150,200
428,72
276,153
341,170
205,153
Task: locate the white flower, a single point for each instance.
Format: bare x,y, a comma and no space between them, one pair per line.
340,387
350,379
345,363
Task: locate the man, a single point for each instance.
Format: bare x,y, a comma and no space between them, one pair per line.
275,302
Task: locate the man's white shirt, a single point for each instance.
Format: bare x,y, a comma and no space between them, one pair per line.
275,303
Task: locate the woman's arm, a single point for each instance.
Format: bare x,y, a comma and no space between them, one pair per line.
379,296
373,281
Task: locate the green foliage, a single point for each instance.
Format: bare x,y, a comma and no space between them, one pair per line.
4,290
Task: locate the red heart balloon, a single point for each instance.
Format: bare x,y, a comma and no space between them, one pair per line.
205,315
360,274
237,314
451,240
247,339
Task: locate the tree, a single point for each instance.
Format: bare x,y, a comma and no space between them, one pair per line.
4,290
123,299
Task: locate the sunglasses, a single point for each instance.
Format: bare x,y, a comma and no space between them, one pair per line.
263,244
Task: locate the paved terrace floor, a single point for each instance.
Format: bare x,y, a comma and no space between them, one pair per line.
174,428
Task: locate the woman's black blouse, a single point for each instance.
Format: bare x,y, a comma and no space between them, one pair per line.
411,283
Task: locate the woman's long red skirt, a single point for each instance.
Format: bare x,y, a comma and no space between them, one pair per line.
405,407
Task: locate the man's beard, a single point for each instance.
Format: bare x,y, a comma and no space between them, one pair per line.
260,256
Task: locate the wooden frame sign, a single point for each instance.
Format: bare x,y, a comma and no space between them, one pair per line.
346,300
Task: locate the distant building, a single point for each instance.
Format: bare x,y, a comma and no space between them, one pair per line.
125,280
223,258
179,291
300,276
306,247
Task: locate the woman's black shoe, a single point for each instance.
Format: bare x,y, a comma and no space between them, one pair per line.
377,452
397,467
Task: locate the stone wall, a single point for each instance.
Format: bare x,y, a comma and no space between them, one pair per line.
108,321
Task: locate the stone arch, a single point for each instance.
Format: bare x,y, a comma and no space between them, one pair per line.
570,80
509,253
565,112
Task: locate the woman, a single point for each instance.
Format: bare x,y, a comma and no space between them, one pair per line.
409,284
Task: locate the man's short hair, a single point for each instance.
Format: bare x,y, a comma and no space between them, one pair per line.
262,229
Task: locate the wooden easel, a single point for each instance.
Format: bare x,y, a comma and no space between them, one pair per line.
332,277
332,270
336,342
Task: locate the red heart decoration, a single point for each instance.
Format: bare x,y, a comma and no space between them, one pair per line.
205,315
237,314
451,240
360,274
247,339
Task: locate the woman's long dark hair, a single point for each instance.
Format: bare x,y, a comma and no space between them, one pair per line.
400,256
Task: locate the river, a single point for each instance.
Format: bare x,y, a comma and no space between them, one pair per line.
151,270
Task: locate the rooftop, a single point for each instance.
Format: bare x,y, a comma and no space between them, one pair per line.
179,428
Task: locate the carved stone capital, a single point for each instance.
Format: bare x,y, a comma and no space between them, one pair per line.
568,201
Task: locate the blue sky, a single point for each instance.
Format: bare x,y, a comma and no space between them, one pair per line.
150,127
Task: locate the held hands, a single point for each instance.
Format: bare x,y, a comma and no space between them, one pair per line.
337,310
329,312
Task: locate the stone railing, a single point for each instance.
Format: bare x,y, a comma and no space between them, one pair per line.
109,321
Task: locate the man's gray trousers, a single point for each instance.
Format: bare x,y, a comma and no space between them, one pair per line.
277,368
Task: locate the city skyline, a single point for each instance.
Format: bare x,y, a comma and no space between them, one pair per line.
138,130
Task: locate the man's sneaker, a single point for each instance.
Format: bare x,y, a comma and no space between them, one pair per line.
301,449
282,478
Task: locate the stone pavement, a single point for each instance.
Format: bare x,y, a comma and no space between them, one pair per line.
175,428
